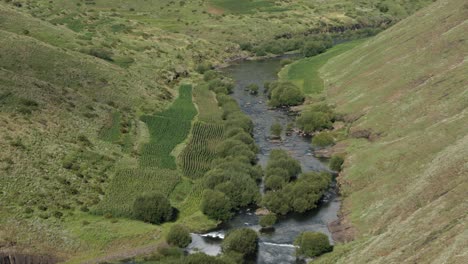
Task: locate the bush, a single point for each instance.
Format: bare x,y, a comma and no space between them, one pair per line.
216,205
101,54
243,241
323,139
312,244
179,236
276,129
310,121
336,163
284,94
210,75
267,220
203,67
152,208
253,88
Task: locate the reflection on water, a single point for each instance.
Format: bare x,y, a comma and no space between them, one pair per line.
274,247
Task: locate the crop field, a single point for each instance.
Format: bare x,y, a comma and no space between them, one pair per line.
200,151
157,171
305,73
130,183
168,129
208,109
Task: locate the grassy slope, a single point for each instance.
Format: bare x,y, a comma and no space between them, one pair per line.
406,190
305,73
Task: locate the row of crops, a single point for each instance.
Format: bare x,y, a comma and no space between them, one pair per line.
197,156
157,170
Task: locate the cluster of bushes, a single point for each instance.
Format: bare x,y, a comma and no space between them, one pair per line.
288,43
231,183
300,195
283,93
336,163
288,193
280,170
316,117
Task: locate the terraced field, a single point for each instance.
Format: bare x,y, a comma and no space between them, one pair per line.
157,169
168,129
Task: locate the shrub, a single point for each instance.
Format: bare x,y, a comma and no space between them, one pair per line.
311,244
276,129
153,208
210,75
216,205
336,163
323,139
243,241
203,67
253,88
101,54
284,94
310,121
267,220
179,236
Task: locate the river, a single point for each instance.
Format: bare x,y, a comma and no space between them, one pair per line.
277,246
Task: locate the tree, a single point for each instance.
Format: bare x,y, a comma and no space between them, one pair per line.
179,236
153,208
242,240
336,163
216,205
267,220
312,244
276,130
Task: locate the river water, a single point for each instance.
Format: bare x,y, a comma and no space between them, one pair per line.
277,246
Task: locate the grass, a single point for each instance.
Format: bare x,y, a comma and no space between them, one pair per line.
305,72
404,189
111,131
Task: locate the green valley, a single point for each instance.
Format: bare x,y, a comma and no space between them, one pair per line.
200,131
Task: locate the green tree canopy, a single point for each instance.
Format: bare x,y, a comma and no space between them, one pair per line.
312,244
216,205
153,208
242,240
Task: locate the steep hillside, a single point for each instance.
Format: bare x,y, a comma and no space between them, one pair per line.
405,185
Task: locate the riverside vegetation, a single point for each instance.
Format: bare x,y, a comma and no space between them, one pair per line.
106,105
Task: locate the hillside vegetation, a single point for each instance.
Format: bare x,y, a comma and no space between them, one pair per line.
405,188
88,94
